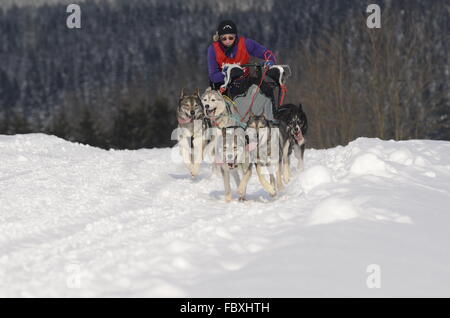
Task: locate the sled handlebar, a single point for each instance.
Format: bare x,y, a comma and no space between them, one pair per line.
253,65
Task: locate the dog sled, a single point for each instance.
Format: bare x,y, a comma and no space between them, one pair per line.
261,94
236,124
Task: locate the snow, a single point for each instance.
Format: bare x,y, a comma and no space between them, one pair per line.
78,221
369,163
332,210
402,156
314,177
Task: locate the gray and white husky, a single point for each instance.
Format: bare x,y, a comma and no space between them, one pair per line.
224,143
229,156
264,147
217,111
230,149
191,124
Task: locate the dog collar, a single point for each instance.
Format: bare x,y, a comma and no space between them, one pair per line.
184,121
188,120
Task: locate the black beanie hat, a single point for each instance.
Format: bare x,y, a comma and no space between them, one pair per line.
226,27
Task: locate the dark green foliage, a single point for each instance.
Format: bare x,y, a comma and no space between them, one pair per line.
116,82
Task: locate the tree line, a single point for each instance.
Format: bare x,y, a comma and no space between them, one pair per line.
115,82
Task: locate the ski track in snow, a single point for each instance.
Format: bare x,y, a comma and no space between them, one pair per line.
78,221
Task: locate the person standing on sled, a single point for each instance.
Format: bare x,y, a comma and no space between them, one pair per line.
230,48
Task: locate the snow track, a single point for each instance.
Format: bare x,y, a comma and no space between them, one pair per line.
81,221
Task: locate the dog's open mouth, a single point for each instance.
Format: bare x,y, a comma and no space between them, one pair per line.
210,112
298,136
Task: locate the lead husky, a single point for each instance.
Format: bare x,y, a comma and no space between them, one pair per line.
265,143
191,124
223,116
225,145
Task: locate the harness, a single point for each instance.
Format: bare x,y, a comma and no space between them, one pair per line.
185,121
188,120
241,119
234,115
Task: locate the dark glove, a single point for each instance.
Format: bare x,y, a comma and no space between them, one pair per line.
274,73
236,72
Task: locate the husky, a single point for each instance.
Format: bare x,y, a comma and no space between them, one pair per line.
229,157
265,145
227,138
293,128
219,113
191,123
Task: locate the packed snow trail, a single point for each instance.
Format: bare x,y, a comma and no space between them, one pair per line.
80,221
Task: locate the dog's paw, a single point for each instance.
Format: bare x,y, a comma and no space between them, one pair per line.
280,186
228,198
242,199
194,175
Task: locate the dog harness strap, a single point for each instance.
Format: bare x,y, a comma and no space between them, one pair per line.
236,117
185,121
283,93
242,55
237,120
189,120
215,119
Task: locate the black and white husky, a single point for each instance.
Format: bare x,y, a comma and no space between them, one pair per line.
191,125
293,128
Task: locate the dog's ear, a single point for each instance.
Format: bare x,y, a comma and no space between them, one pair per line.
182,93
283,113
208,89
300,106
197,92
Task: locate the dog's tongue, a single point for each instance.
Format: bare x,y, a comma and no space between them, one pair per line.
299,136
252,146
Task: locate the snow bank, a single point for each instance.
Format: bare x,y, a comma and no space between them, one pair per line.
81,221
402,156
314,177
332,210
369,163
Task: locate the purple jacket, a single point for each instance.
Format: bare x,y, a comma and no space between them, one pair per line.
254,49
